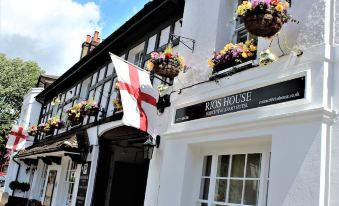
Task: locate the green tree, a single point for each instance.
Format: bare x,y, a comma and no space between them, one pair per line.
16,78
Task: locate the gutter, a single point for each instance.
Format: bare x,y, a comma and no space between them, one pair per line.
17,173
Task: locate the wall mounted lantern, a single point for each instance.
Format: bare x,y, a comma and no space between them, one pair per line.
149,146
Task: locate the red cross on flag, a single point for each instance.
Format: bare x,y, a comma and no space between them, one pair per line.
16,138
138,96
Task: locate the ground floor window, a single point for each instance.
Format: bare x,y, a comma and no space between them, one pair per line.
42,180
70,181
236,179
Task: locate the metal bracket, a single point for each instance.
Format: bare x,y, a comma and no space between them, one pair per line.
181,38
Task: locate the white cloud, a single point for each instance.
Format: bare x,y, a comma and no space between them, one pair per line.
47,31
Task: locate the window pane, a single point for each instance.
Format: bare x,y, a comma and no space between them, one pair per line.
206,169
235,191
91,94
253,165
204,188
70,93
223,162
105,96
101,74
151,44
238,164
164,36
220,190
78,89
136,54
84,88
242,36
177,27
94,78
251,192
97,94
109,69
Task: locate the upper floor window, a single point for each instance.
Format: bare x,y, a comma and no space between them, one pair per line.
164,36
241,34
136,55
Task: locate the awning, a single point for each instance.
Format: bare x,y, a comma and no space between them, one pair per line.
67,144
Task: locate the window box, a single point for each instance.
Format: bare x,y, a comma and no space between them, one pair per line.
232,70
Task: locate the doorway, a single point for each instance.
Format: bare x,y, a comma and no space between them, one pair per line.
122,171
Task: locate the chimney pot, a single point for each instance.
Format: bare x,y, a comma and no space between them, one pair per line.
88,39
96,36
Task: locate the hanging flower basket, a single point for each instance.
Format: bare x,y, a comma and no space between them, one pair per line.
263,17
75,114
45,128
33,130
167,69
55,123
90,108
76,120
233,54
166,64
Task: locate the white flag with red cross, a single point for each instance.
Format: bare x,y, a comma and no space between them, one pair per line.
16,138
139,98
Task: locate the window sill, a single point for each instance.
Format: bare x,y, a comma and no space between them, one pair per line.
233,70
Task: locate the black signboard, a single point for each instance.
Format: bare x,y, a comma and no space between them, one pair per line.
273,94
83,184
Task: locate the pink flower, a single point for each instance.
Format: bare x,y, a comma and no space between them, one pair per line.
154,55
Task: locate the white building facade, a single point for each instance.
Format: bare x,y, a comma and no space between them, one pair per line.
279,154
30,111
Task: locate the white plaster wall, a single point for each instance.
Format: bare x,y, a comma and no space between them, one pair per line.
29,115
30,108
301,172
211,24
295,162
200,22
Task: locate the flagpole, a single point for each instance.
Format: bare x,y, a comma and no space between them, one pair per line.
144,70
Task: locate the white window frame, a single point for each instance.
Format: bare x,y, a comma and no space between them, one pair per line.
66,183
56,184
235,149
239,27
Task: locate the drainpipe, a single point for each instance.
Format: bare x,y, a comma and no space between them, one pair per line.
17,174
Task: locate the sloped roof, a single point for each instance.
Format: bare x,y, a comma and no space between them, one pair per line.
68,144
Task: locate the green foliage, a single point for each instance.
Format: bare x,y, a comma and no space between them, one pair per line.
16,78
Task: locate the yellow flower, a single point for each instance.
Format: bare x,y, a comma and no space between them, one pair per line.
227,47
150,65
286,5
244,54
280,7
253,48
210,63
248,5
240,11
223,52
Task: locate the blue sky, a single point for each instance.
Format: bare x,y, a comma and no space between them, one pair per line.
51,32
115,12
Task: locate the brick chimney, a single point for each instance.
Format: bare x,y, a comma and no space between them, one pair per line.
90,44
